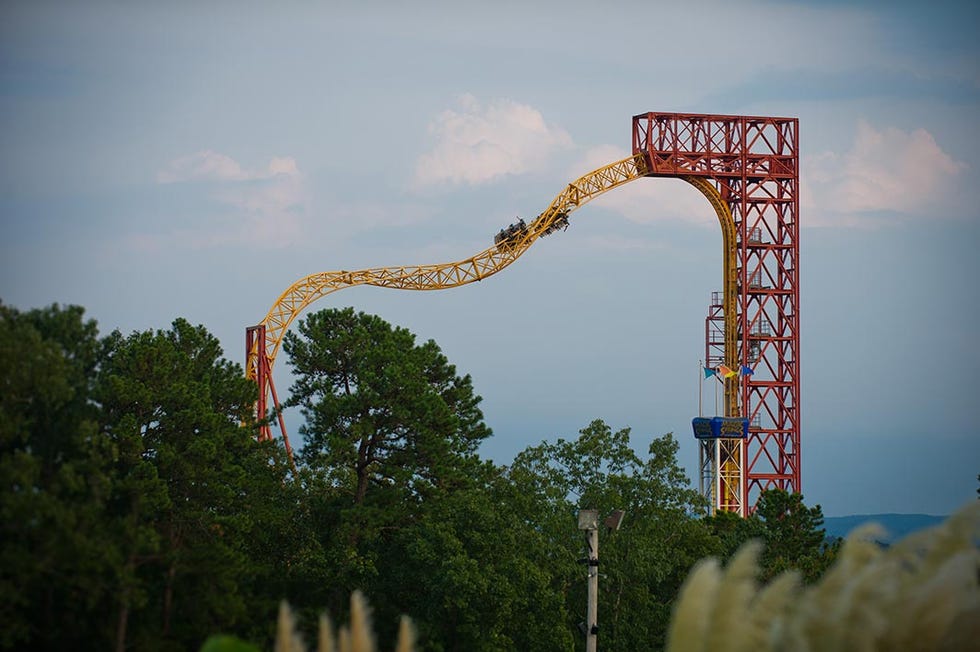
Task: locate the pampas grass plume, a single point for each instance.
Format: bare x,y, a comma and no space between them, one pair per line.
692,614
921,594
358,637
730,624
764,622
406,635
362,638
287,638
325,640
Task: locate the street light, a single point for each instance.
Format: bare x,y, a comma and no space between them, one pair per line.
614,520
588,520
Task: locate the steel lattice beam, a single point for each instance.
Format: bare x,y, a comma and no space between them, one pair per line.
754,162
748,168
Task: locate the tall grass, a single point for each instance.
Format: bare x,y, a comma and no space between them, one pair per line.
920,594
358,637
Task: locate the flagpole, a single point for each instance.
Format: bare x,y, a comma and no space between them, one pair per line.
700,387
716,398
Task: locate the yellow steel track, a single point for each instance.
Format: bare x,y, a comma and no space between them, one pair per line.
730,291
494,259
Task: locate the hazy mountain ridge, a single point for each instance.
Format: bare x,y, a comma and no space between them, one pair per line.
896,526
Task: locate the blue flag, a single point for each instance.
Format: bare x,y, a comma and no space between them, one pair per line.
746,371
708,373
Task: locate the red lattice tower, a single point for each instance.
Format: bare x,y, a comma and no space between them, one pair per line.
754,164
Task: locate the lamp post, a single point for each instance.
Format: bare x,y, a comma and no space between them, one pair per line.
588,520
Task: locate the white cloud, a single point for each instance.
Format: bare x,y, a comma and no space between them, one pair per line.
202,166
280,166
886,170
270,211
478,143
646,200
266,203
207,165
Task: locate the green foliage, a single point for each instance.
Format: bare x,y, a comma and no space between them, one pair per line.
733,530
793,536
138,511
399,503
172,409
466,572
644,563
922,594
224,643
127,484
381,411
55,557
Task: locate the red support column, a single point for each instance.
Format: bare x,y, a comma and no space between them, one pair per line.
754,162
257,368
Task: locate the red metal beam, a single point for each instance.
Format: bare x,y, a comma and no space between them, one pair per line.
754,162
259,369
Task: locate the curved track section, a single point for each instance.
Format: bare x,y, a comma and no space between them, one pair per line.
445,275
496,258
730,293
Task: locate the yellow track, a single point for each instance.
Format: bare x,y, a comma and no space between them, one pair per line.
494,259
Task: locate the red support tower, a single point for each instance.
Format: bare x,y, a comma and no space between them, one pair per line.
754,164
259,369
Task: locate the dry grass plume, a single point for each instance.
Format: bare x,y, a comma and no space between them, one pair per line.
920,594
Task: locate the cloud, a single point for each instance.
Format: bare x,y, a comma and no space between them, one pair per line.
270,211
887,170
476,144
646,200
207,165
259,207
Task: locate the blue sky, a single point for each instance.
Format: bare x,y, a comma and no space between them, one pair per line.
195,159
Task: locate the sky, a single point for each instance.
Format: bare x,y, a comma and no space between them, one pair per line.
164,160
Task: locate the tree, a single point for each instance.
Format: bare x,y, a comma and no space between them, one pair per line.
390,431
381,411
135,511
643,564
793,535
791,532
172,410
467,572
732,530
55,553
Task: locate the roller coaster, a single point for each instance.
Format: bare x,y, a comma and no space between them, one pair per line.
748,170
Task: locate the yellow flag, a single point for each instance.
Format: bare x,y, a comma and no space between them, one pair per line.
726,372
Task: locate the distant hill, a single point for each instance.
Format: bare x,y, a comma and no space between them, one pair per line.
897,525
